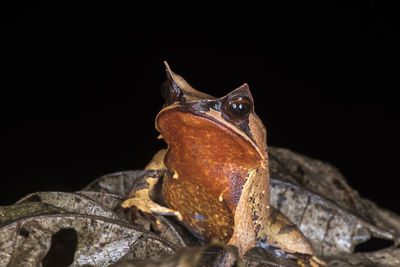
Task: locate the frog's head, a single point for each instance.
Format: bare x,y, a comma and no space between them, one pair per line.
234,111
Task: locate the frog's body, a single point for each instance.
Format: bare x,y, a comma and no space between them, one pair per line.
216,178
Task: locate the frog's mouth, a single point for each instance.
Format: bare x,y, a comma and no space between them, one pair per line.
214,117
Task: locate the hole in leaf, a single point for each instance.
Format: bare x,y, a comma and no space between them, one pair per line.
23,232
62,250
373,244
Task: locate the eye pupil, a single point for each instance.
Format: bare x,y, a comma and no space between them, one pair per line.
238,108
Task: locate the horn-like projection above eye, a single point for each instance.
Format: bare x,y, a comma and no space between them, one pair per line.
174,88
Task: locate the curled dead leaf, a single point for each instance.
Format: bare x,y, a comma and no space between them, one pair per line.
27,234
327,210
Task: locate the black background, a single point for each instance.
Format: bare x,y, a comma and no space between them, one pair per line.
80,89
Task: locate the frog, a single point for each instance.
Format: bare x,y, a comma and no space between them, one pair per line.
214,174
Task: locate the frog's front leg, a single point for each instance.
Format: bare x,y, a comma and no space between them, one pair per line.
139,197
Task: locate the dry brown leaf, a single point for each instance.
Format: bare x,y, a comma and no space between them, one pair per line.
73,203
110,201
328,211
118,183
189,257
381,258
101,241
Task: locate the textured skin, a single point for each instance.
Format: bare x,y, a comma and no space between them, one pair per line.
212,164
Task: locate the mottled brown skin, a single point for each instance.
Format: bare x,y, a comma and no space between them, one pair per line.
216,180
212,163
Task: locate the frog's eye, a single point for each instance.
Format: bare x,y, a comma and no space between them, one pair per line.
165,89
237,108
